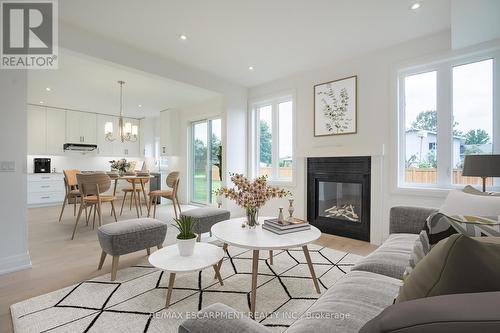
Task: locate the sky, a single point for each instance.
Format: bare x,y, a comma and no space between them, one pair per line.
472,96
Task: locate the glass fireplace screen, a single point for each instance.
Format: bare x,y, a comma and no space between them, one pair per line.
340,200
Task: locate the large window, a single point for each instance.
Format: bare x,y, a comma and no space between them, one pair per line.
272,144
206,152
446,113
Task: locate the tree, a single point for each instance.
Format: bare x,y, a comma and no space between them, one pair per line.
200,156
477,137
427,120
266,154
216,154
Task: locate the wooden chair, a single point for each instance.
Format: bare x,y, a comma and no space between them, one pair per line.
173,179
72,191
139,185
92,186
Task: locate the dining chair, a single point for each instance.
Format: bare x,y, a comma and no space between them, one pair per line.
92,187
72,191
172,181
138,188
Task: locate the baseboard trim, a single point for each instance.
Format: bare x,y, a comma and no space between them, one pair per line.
15,263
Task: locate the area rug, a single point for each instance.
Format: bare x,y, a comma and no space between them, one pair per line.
135,302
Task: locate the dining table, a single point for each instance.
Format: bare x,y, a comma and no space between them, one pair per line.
134,180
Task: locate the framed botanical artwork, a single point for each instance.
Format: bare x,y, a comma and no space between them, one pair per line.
335,107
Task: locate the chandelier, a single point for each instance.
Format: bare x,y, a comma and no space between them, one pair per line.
126,131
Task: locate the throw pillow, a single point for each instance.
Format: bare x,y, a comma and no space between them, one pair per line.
458,264
462,203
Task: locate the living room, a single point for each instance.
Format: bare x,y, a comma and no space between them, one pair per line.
352,111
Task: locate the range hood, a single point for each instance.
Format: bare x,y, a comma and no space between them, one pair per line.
79,147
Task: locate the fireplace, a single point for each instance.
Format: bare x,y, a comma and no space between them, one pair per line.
338,195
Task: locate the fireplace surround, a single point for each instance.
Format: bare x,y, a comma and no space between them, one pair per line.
338,195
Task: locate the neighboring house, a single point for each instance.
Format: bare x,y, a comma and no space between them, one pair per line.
420,144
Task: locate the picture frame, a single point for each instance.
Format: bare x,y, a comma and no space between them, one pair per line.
335,107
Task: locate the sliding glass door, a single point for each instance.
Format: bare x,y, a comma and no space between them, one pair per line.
206,160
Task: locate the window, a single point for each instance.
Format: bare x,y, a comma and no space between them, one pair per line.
446,112
272,144
206,160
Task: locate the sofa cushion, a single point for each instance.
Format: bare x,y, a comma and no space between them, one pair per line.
206,217
391,258
349,304
447,313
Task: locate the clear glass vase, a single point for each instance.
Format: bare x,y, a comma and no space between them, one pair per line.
252,217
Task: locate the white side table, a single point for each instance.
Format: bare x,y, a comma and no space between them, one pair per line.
169,260
230,232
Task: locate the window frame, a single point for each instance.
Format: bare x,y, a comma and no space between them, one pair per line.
274,102
444,109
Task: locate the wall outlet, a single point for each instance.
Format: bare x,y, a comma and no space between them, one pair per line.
7,166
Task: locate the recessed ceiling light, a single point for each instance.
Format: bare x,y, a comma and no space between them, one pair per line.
48,89
250,68
415,5
41,102
183,37
140,105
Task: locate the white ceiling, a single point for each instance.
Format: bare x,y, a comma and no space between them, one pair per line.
87,84
277,37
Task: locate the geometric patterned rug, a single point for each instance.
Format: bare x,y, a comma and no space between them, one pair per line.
135,301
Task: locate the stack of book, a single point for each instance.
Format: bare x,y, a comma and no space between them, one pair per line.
286,227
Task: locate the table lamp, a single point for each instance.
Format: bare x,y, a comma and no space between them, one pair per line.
483,166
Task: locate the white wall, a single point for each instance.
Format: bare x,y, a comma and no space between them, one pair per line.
13,140
374,123
474,21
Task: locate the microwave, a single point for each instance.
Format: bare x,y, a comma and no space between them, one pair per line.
41,165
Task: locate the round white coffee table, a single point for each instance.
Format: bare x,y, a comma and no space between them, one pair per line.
169,260
230,232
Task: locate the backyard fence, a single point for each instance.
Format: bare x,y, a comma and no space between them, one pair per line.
429,176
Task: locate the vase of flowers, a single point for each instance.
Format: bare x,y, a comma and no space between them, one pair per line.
251,195
122,166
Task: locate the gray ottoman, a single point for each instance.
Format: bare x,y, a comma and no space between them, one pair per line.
129,236
206,217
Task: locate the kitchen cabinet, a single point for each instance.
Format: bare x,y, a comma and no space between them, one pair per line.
46,130
168,129
81,127
37,130
56,131
45,189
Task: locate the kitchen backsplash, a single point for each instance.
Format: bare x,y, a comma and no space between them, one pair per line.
79,161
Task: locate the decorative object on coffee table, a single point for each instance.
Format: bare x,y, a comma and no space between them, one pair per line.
335,107
251,195
186,238
170,260
291,209
483,166
281,219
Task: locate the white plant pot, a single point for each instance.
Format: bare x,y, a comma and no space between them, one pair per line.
186,246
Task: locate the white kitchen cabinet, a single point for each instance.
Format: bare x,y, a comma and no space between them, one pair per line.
37,130
45,189
132,148
56,131
81,127
168,131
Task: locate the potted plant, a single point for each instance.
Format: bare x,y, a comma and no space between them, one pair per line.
122,166
251,195
186,238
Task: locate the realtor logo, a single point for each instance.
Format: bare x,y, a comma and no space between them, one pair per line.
29,34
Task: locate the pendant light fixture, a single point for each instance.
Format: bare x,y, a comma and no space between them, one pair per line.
126,131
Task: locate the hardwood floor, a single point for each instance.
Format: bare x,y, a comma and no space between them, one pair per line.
59,262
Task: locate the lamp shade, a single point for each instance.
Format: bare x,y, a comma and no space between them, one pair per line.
482,166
